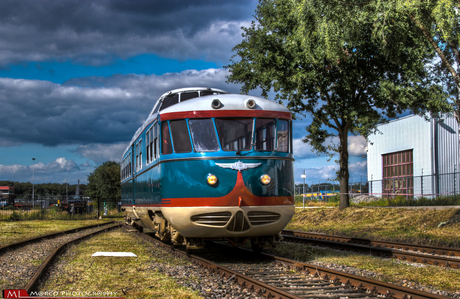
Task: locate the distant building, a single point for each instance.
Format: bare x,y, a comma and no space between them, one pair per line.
6,195
413,156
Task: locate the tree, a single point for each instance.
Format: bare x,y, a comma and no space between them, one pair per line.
320,58
104,181
437,22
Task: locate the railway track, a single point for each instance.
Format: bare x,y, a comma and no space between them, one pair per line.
19,260
48,236
439,256
276,277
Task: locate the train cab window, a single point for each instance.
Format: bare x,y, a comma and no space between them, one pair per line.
283,136
166,146
235,134
181,139
188,95
208,93
265,134
169,101
203,135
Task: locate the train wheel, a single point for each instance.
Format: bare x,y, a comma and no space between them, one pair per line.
256,247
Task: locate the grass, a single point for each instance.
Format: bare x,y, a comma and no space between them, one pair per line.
420,226
397,201
438,227
117,276
12,232
50,213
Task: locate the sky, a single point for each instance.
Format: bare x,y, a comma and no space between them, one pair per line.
77,78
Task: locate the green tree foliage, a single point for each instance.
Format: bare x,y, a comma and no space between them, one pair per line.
437,22
104,181
320,57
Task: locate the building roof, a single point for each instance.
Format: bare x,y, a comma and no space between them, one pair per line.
6,188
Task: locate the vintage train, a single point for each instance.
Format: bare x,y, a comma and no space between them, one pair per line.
211,165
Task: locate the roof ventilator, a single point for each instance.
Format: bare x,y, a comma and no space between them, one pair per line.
251,103
216,104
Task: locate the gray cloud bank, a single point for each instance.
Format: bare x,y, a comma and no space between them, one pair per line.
53,114
96,32
56,170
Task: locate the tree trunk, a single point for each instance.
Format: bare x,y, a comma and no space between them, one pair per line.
343,172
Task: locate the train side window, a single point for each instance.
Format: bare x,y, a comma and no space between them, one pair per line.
265,134
139,155
169,101
155,141
283,136
152,157
188,95
235,134
180,136
130,165
203,135
166,146
147,143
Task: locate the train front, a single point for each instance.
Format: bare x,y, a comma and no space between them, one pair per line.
227,169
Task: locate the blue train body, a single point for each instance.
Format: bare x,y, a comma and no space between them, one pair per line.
207,164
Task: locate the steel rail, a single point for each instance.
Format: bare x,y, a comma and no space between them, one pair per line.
373,287
380,248
48,236
376,243
366,285
49,260
243,280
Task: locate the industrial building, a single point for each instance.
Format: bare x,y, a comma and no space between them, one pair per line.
413,156
6,195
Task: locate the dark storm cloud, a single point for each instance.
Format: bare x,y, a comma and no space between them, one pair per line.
52,114
94,32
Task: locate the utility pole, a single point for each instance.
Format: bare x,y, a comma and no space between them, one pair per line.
33,185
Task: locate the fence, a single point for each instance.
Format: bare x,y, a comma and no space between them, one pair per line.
59,208
427,186
109,208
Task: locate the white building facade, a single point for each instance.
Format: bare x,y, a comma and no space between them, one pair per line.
413,156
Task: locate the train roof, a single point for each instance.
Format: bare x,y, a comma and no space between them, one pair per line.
229,102
185,90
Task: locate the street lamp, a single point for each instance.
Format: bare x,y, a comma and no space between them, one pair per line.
304,176
33,185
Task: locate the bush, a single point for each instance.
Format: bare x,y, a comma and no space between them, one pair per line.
14,216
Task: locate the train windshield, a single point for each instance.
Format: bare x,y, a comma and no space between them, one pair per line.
265,134
235,134
203,135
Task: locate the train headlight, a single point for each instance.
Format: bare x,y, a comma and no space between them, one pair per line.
265,179
211,179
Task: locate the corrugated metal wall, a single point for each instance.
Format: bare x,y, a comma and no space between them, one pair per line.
426,139
447,147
